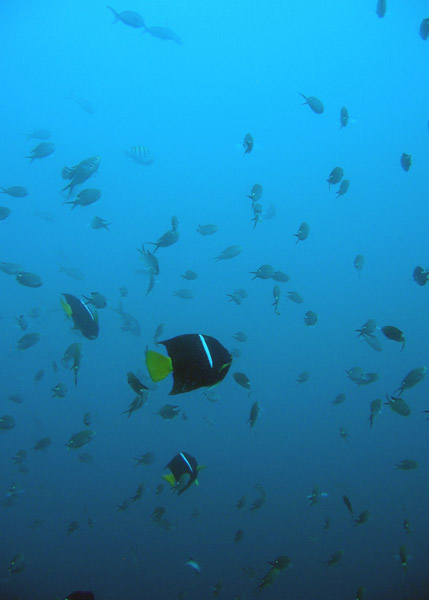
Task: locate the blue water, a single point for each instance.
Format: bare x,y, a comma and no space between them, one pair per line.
240,69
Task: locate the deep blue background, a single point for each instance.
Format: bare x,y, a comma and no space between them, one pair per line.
241,68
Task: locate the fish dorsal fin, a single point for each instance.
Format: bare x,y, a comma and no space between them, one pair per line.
158,365
170,479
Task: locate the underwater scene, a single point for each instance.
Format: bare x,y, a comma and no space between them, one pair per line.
214,303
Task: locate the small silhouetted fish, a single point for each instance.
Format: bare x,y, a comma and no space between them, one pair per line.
80,172
163,33
344,186
420,275
240,336
39,376
7,422
335,175
99,223
314,103
11,268
85,198
295,297
140,155
167,239
398,405
4,212
381,8
229,252
242,379
28,340
248,143
29,279
407,464
80,439
424,29
264,272
72,272
43,443
256,193
359,262
184,293
42,150
310,318
406,161
208,229
280,277
84,103
189,275
16,191
46,215
128,17
394,334
344,117
303,232
39,134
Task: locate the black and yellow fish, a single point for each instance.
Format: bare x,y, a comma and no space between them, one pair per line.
184,472
195,360
83,319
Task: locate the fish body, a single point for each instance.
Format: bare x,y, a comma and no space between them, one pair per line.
73,354
136,385
254,414
140,155
97,300
344,117
99,223
42,150
129,322
85,198
150,262
195,360
7,422
28,340
229,253
248,143
359,262
168,239
420,275
406,161
4,212
208,229
411,379
381,8
398,405
128,17
78,440
280,276
314,103
16,191
310,318
80,173
407,464
343,189
164,33
335,558
335,176
184,472
264,272
303,232
374,410
184,293
424,29
29,279
83,319
394,334
295,297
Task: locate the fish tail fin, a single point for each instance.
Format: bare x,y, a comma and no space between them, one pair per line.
158,365
115,15
66,307
67,173
170,479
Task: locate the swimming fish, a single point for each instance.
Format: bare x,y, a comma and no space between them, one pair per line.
80,172
195,360
184,472
314,103
83,319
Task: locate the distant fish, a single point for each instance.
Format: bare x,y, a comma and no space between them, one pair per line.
42,150
164,33
314,103
80,172
72,272
38,134
140,155
83,103
128,17
381,8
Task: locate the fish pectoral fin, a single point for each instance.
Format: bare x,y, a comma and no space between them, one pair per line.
158,365
170,479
